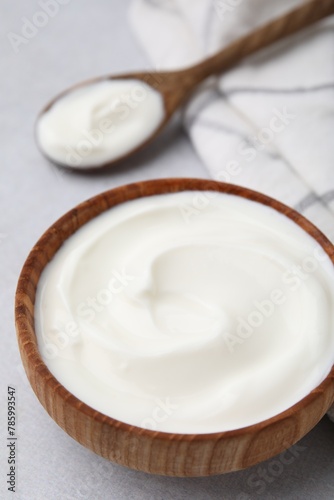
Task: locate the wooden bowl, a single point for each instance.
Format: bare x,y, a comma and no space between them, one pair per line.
142,449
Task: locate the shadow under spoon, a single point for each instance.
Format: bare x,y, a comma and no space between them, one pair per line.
168,91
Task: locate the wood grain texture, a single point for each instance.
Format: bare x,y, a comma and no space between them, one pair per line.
176,87
146,450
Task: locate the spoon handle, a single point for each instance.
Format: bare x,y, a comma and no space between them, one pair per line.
288,24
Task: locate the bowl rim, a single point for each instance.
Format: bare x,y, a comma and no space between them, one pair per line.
27,337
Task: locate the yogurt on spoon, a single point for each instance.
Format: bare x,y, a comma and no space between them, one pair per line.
97,123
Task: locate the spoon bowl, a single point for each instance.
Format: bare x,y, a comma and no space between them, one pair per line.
172,86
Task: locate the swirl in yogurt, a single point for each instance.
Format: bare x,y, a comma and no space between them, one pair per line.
188,321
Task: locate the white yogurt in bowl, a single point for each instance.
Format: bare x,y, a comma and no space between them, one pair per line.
186,320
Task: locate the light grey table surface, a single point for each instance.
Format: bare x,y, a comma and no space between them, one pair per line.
84,39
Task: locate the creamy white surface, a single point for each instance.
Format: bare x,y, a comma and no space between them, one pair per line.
165,332
100,122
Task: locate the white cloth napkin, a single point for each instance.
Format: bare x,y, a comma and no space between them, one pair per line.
266,124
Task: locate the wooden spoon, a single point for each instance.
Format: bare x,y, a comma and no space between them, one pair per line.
175,87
